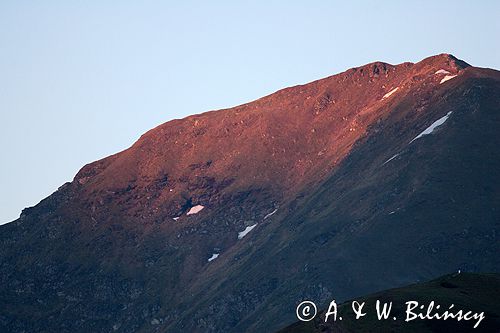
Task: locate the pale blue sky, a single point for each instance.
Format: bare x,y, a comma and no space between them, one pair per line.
80,80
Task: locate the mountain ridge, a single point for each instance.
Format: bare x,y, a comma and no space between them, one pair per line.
158,134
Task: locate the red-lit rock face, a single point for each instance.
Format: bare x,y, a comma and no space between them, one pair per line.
281,142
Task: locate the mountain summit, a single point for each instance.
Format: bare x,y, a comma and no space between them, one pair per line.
373,178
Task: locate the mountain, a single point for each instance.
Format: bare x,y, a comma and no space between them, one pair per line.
468,292
374,178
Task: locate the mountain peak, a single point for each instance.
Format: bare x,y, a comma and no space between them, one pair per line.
445,60
315,124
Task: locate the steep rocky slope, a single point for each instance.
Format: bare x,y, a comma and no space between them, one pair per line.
335,189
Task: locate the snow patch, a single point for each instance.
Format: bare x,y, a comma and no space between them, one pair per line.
213,257
442,71
176,218
195,209
391,159
390,93
446,78
271,213
246,231
433,126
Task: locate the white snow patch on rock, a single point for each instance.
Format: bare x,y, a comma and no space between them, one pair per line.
391,159
442,71
195,209
246,231
271,213
390,93
176,218
213,257
446,78
433,126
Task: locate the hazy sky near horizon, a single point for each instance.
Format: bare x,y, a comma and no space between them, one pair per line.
80,80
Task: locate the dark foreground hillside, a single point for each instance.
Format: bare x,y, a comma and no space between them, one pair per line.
470,292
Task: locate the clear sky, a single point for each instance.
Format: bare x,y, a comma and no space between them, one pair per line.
80,80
